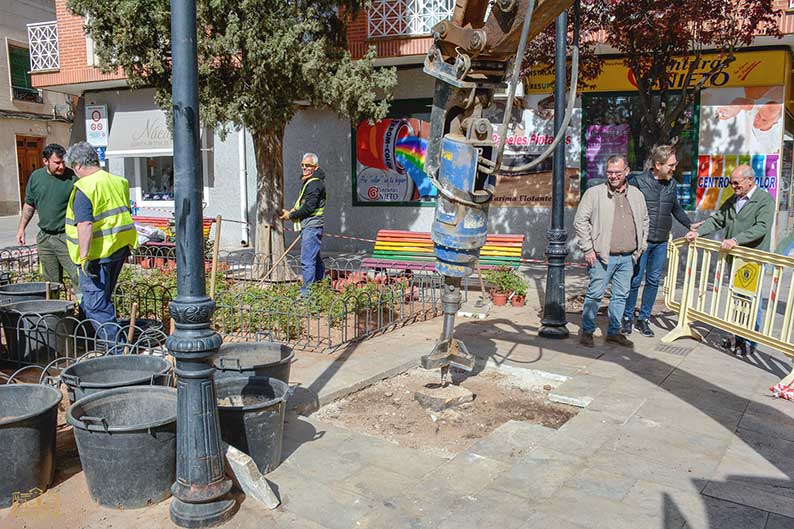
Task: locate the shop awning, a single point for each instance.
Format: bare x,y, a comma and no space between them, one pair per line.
139,133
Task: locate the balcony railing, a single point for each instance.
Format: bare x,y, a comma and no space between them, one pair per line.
43,45
403,18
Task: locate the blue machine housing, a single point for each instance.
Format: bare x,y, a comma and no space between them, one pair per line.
459,230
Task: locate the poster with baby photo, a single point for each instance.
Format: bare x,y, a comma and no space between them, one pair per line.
747,119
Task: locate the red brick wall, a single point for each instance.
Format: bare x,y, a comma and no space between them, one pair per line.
358,43
72,54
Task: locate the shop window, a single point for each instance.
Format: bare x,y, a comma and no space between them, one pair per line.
157,179
613,126
21,87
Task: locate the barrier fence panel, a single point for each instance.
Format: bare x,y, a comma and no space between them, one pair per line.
746,292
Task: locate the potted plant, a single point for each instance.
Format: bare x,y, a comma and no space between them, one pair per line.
503,281
519,292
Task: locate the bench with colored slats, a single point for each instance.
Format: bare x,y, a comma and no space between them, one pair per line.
402,250
163,222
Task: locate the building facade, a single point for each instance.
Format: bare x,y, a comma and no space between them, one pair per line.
374,171
30,118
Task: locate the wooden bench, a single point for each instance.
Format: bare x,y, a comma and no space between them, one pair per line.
402,250
163,223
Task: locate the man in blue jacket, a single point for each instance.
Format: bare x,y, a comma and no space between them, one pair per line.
308,217
658,187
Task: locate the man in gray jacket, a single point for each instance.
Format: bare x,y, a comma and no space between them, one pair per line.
612,231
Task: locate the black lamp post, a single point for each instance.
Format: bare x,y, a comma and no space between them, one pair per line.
553,322
201,485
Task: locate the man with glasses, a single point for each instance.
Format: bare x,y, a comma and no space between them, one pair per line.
612,231
658,188
308,216
747,219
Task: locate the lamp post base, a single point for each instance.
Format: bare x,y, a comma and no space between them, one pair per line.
194,515
554,332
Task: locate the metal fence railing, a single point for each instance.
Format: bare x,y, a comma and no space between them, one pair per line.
254,301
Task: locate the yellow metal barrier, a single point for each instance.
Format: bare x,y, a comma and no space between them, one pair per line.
727,290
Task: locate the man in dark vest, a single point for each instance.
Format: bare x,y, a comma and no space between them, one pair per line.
659,189
308,216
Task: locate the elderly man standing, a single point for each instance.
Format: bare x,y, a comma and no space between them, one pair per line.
47,193
308,216
747,219
612,231
99,233
661,199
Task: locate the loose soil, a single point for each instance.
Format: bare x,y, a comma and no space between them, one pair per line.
389,411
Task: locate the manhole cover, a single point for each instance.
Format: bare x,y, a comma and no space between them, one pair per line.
673,350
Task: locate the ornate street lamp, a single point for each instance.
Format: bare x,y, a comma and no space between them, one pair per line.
201,485
553,322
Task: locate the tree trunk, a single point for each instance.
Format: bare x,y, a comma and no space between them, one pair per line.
268,145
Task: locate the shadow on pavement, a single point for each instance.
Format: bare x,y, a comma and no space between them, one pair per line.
701,394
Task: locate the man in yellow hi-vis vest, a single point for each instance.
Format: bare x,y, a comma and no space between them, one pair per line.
99,235
308,216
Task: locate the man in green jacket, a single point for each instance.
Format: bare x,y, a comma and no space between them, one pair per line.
747,219
47,193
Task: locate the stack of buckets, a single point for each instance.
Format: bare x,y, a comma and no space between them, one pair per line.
124,417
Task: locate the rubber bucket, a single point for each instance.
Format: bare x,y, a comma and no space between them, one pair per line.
253,359
28,421
29,291
38,331
126,438
114,371
251,411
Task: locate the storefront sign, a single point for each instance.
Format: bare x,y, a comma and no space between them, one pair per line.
714,173
752,68
96,125
140,133
529,134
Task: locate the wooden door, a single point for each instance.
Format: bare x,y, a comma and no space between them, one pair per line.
29,159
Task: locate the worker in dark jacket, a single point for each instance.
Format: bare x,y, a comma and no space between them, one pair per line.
308,216
659,189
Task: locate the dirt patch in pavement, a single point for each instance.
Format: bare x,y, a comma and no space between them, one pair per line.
390,411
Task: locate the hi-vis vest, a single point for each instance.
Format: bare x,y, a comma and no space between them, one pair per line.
296,224
113,226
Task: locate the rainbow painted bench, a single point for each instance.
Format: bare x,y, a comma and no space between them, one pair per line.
404,250
164,223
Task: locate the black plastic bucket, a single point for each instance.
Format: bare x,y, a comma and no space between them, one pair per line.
249,359
114,371
126,438
251,410
28,421
38,330
29,291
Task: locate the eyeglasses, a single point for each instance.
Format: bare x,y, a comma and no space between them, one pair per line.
674,164
616,173
305,165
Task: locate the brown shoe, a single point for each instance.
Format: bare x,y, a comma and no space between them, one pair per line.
586,340
620,339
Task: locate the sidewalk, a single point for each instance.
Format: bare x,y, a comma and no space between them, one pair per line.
672,436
